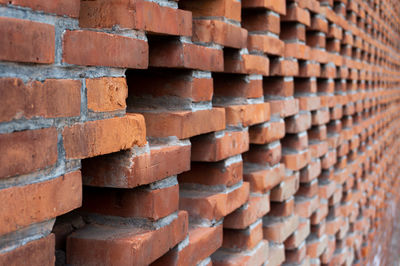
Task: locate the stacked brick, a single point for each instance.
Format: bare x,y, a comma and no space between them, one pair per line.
214,132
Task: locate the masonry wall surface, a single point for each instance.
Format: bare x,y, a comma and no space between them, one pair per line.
199,132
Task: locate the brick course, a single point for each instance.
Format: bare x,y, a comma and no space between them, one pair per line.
214,132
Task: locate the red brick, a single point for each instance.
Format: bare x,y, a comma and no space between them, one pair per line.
296,160
105,50
212,147
256,207
299,122
107,13
152,17
247,115
225,173
106,94
146,203
304,207
27,151
277,6
246,63
296,14
230,9
267,132
100,244
279,229
48,99
293,32
285,189
276,254
265,179
261,21
59,7
213,205
168,84
126,169
266,44
184,124
175,54
278,86
244,239
235,86
297,238
316,246
284,67
219,32
296,255
297,142
311,171
47,200
297,50
104,136
285,208
256,256
39,252
203,241
26,41
284,108
269,154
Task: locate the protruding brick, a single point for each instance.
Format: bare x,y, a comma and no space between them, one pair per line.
47,200
104,136
104,50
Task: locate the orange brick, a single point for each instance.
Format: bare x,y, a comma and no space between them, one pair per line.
27,151
175,54
184,124
105,50
213,205
203,241
127,169
247,115
47,200
100,244
26,41
70,8
37,252
106,94
256,207
146,203
219,32
104,136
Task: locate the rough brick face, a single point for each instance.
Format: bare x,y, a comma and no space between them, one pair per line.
26,41
48,99
213,132
27,151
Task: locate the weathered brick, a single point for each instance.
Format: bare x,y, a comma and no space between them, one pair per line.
105,50
27,151
47,200
48,99
26,41
106,94
59,7
39,252
104,136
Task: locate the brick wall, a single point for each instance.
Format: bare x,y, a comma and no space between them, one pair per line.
212,132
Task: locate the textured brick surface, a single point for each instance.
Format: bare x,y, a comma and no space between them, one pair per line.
213,132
